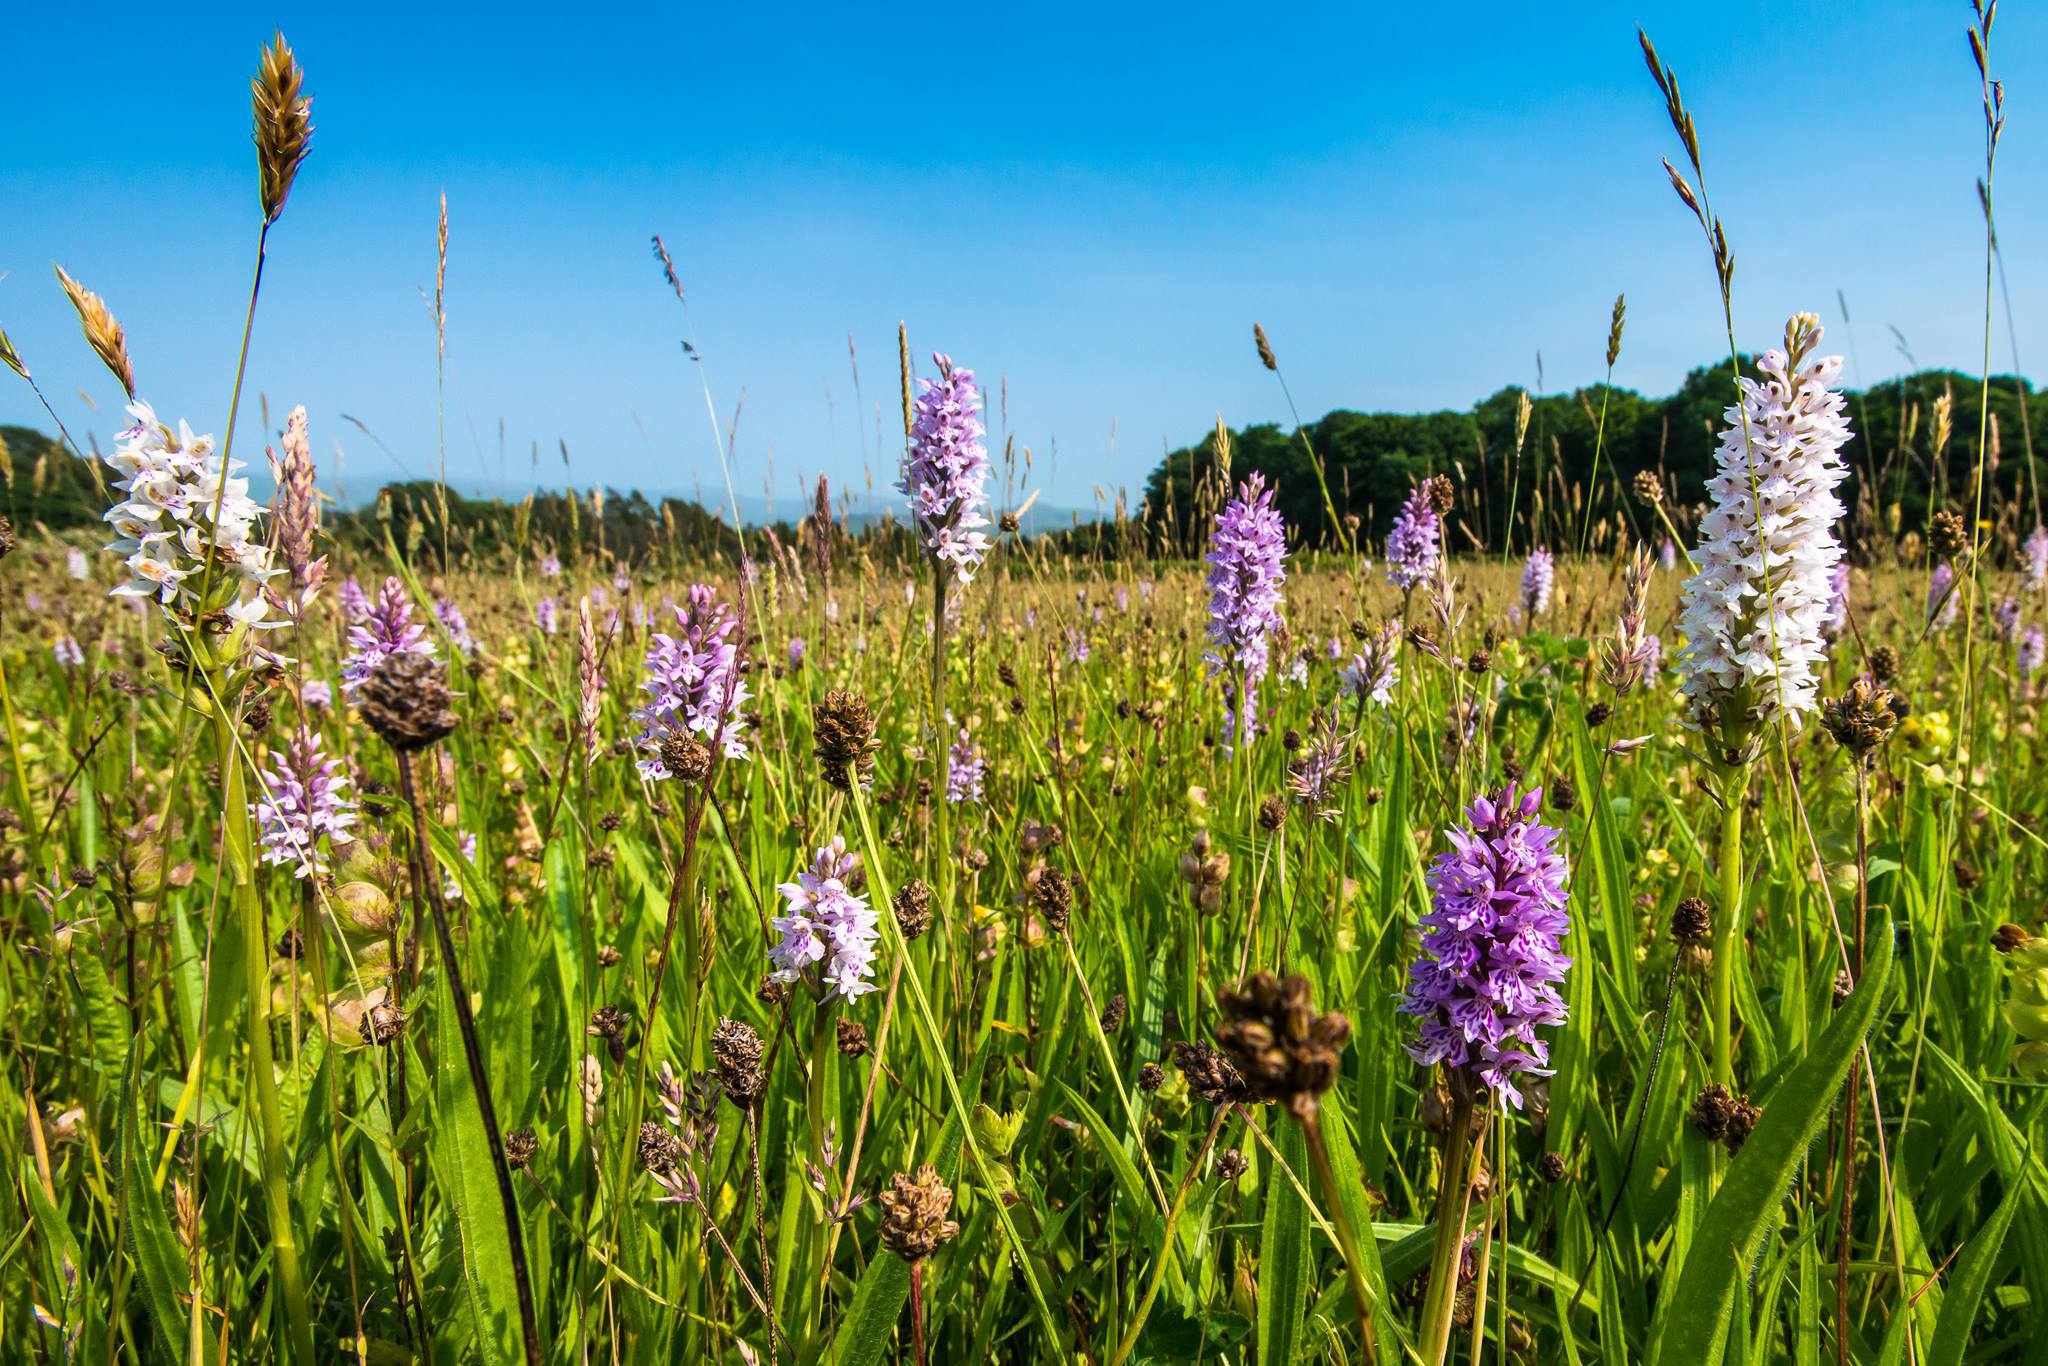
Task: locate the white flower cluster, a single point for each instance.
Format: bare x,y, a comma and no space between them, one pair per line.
183,499
1754,613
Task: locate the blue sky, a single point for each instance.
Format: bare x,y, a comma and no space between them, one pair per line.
1093,203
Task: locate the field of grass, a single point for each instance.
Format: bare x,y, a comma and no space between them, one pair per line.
483,947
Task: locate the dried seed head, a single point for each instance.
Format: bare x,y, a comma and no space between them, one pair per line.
1266,356
1052,894
913,905
1230,1165
103,331
1861,719
520,1146
1151,1077
1209,1074
914,1208
7,541
685,757
1009,522
1443,496
382,1024
1947,536
660,1150
1648,488
736,1052
406,701
1884,665
843,739
1551,1168
1272,814
1742,1118
1692,921
606,1022
10,357
1283,1048
1712,1111
1114,1014
284,124
853,1038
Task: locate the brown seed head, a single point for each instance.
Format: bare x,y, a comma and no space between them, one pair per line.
284,124
1648,488
1947,535
1053,896
382,1024
736,1052
103,332
1692,921
2010,937
1283,1048
1209,1073
406,701
1884,665
843,739
1443,496
686,758
1861,719
1230,1164
1712,1111
914,1208
1266,356
913,906
853,1038
660,1150
520,1146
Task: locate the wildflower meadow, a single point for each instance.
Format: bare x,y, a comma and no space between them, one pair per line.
1497,908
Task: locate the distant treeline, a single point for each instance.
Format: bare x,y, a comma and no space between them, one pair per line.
1900,471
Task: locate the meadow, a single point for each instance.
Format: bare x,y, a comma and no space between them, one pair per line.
1205,939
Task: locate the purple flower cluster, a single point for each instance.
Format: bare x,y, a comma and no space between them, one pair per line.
1539,575
1837,615
945,472
2036,550
456,625
1245,573
387,629
1373,672
1412,544
1944,599
2030,651
827,924
694,683
965,770
303,801
354,602
1496,924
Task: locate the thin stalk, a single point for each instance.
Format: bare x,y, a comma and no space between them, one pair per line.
1452,1192
262,1064
1347,1239
1734,791
430,887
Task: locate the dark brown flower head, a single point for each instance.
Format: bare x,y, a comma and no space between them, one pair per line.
289,945
660,1150
1114,1014
843,739
913,905
853,1038
1551,1168
1230,1164
1009,523
1692,921
2010,937
1266,356
382,1024
1478,662
1742,1118
1947,535
773,992
1443,496
1151,1077
1861,719
1712,1112
1562,793
1884,663
606,1022
1597,714
608,956
686,758
1844,984
85,875
736,1052
1284,1049
1209,1073
914,1208
1648,488
520,1146
1053,897
6,537
405,700
1272,814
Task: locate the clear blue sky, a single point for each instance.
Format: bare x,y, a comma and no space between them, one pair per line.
1094,202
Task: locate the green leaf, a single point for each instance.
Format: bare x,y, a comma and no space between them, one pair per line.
165,1278
1283,1254
1694,1326
1972,1278
104,1019
462,1156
